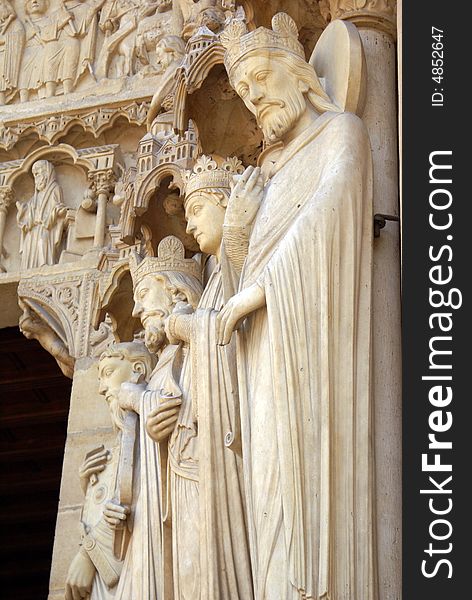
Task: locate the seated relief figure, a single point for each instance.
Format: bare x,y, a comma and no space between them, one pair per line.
12,39
163,284
304,348
105,524
219,513
41,219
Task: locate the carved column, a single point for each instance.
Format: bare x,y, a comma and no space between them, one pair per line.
6,198
104,182
376,21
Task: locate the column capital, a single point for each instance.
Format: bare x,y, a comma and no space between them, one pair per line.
6,197
373,14
103,180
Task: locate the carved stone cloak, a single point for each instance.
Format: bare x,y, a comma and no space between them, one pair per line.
41,227
147,569
304,370
224,554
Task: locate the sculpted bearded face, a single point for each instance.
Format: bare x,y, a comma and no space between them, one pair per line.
40,174
152,304
112,372
271,92
36,7
205,213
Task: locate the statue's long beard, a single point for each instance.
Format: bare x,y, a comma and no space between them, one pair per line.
278,122
154,337
117,415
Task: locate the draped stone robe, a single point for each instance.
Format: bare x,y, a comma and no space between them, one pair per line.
225,572
41,221
147,569
304,370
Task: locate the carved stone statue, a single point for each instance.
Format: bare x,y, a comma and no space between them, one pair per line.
12,39
214,395
163,284
41,219
106,524
304,347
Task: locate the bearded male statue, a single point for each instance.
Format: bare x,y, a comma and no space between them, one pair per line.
96,568
41,218
304,302
164,557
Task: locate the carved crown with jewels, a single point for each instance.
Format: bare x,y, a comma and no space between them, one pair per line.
211,172
170,257
238,41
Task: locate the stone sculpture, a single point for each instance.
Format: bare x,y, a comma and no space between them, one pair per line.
41,219
222,541
105,523
49,57
304,348
12,39
81,38
162,284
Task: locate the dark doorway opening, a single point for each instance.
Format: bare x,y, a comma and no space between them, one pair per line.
34,407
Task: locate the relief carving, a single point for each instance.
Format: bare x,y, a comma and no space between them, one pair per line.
12,39
41,219
6,199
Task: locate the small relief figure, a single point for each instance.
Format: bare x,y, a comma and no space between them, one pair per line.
48,58
41,219
169,52
119,21
81,38
109,482
190,15
12,39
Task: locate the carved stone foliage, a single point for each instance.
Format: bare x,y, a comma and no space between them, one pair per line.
55,127
378,14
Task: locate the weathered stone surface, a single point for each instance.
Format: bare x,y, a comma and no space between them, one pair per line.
178,172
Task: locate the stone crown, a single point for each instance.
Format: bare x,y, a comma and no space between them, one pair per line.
211,172
238,41
170,257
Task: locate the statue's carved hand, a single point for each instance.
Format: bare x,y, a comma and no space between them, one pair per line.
95,462
161,421
129,396
80,577
245,198
236,309
115,514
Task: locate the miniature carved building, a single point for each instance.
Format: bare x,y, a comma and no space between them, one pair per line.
119,119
